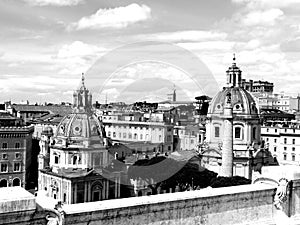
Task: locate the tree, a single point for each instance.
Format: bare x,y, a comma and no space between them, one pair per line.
168,173
229,181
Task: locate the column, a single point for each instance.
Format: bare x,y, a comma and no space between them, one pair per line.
227,148
86,191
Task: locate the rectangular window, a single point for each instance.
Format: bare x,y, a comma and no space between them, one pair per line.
217,131
294,141
293,149
17,167
169,138
4,156
17,145
17,155
293,157
275,140
284,157
4,168
56,159
254,132
284,140
275,148
4,145
284,148
237,132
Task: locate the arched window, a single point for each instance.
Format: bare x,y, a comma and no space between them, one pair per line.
141,136
16,182
135,136
3,183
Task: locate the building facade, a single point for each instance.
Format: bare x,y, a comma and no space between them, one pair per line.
232,122
73,163
142,132
15,156
283,142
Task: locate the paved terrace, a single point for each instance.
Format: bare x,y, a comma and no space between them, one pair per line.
248,204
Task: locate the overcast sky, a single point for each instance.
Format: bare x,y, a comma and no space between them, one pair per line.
45,45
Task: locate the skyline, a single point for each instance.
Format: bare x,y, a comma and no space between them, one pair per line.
46,45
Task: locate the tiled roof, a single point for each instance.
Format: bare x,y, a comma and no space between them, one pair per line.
55,109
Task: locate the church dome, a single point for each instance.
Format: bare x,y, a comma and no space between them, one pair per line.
242,102
81,128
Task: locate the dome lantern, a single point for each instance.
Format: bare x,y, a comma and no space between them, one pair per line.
234,75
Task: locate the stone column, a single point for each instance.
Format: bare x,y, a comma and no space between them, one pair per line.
227,148
86,191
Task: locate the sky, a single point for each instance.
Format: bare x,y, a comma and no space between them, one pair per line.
45,45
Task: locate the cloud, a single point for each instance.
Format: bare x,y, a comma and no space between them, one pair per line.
291,45
119,17
77,57
78,49
54,2
263,18
268,3
189,35
223,46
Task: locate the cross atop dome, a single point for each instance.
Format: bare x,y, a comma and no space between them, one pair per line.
82,79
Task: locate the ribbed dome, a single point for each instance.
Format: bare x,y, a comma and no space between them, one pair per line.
78,128
242,102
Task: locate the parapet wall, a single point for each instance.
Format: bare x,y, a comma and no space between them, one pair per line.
247,204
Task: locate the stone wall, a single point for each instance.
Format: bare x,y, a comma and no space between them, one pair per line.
247,204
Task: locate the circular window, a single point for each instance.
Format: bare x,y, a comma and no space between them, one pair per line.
77,130
218,106
237,106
